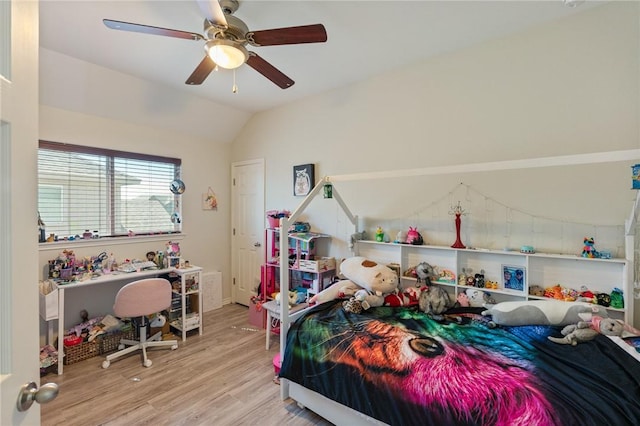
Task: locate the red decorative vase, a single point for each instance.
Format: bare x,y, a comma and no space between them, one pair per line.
458,243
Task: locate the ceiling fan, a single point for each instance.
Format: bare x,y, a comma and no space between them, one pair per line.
226,37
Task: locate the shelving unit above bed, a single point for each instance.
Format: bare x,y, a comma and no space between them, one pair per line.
544,270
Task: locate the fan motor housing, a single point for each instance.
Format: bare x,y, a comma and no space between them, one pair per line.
236,30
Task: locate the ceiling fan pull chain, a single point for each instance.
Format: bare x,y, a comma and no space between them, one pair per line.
234,88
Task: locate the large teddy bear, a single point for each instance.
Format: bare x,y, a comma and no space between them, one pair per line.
367,283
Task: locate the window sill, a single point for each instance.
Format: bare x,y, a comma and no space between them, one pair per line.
110,241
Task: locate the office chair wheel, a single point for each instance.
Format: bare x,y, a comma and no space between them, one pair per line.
147,363
106,364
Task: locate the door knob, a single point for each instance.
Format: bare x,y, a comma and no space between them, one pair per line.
257,244
29,392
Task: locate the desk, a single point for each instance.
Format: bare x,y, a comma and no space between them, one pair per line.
125,278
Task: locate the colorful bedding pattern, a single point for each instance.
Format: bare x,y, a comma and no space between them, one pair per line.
401,367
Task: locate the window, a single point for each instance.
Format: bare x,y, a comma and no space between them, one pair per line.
112,192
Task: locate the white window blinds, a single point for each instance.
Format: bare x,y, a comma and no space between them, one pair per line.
112,193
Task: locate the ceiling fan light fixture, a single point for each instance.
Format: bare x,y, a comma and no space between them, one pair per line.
226,53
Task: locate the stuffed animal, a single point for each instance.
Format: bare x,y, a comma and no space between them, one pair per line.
434,300
425,272
491,284
406,297
462,278
584,331
543,312
375,280
338,290
414,237
478,298
367,282
292,299
617,298
536,290
603,299
589,250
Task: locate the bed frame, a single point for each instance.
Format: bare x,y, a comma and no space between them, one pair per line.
340,414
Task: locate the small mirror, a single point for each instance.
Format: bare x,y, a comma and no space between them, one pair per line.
177,186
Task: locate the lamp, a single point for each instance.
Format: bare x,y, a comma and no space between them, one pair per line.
228,54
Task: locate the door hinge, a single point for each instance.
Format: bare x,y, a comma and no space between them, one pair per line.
234,232
234,281
234,182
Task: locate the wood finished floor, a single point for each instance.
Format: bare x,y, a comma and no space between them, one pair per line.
224,377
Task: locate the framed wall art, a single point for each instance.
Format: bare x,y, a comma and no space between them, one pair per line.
303,179
209,200
513,277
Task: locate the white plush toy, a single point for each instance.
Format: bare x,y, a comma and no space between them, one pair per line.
367,282
337,290
478,298
543,312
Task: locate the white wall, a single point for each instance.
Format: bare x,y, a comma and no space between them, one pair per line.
204,164
568,87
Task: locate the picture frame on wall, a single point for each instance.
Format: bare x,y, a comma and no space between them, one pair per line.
303,179
513,277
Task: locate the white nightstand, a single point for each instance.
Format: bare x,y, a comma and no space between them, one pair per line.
273,316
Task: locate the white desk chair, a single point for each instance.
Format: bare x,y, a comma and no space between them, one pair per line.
139,299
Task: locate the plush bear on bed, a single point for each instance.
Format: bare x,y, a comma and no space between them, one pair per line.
367,282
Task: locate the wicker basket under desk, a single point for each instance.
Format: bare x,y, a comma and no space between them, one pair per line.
77,353
109,342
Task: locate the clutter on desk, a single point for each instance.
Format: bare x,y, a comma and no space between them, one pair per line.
66,267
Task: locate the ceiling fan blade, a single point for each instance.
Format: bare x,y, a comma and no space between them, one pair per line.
269,71
213,12
148,29
289,35
202,71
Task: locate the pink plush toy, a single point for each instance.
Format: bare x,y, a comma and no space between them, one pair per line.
414,237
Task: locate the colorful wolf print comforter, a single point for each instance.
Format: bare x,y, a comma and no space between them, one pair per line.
401,367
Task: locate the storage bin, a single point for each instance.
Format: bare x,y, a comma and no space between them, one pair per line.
49,305
318,265
109,342
77,353
257,315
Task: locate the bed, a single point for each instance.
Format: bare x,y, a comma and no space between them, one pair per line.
398,366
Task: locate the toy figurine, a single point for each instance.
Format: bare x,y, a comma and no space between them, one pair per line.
379,235
589,250
414,237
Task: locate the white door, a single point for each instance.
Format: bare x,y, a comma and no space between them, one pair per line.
19,327
247,225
